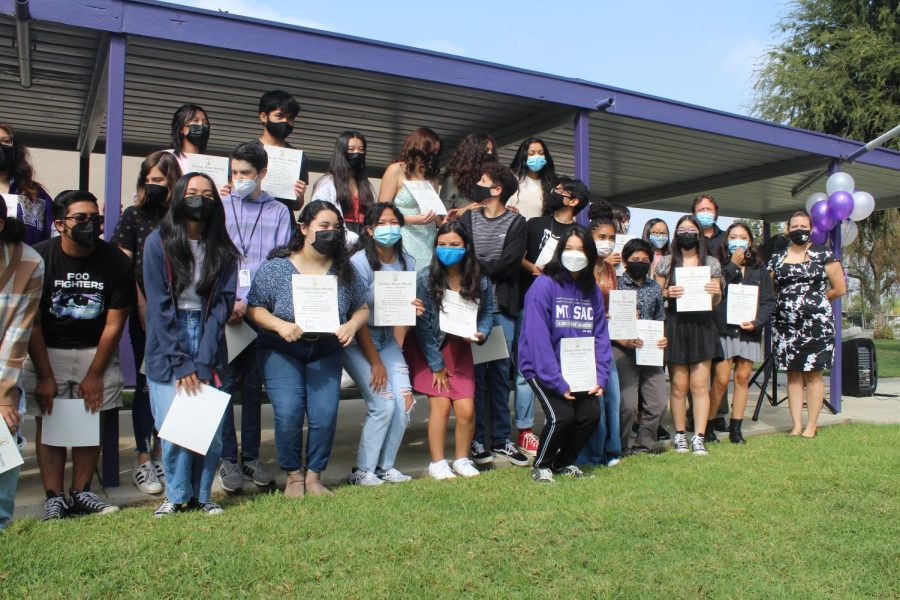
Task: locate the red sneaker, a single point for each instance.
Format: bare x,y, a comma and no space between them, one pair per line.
528,442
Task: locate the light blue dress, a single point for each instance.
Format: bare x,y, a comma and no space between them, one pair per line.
418,240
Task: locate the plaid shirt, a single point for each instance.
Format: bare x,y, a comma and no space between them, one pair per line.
20,295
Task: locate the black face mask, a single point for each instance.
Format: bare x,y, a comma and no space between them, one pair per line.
327,242
155,196
687,240
490,157
357,160
555,201
637,270
198,134
7,157
279,129
86,234
480,193
198,208
799,236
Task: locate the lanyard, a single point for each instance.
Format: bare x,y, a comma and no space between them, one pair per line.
237,222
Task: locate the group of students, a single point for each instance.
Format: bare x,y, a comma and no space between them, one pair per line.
189,259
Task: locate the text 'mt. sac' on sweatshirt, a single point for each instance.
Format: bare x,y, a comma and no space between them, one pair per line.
554,311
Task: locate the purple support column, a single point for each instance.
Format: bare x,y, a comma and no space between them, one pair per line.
836,367
583,155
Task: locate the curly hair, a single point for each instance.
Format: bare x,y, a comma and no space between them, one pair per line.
422,147
467,163
21,169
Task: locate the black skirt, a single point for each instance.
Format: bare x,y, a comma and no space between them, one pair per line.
692,337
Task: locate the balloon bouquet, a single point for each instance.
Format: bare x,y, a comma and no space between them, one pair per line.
840,205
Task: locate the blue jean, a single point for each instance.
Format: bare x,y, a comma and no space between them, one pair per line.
10,479
386,419
188,474
141,415
301,389
492,389
605,443
243,367
524,394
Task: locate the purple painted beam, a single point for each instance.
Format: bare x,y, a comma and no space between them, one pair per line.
836,305
582,147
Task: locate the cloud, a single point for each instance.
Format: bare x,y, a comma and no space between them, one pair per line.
249,9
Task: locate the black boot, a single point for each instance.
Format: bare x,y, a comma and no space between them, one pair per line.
662,434
734,431
710,437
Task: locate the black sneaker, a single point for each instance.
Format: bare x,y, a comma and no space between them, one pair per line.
55,507
572,471
509,450
479,455
663,434
88,503
711,437
166,508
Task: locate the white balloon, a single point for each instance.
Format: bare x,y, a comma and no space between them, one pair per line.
839,182
813,198
849,232
863,205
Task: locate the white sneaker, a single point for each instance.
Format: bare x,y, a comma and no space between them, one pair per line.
440,470
144,477
364,478
392,475
465,467
613,462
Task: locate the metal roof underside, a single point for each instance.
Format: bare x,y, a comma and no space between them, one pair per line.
639,162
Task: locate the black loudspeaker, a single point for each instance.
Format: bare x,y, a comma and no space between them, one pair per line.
860,368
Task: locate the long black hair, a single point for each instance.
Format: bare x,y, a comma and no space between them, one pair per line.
13,231
667,249
219,253
470,287
547,174
340,259
751,256
558,272
678,256
341,173
21,169
182,117
367,242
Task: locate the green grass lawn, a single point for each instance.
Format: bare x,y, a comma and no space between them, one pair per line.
888,354
780,518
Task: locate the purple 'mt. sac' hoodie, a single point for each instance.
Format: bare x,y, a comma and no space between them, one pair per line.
561,310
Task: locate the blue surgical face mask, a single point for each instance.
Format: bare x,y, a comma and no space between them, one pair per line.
659,241
449,256
735,244
387,235
706,219
536,162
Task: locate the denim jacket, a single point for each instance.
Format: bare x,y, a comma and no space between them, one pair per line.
428,326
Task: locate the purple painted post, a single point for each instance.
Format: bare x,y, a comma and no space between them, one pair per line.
582,147
836,304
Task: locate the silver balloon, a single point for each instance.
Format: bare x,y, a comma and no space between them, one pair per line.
863,205
813,198
849,232
839,182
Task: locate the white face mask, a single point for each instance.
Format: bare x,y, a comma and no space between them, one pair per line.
574,260
244,187
604,247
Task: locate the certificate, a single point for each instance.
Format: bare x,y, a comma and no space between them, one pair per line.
547,252
458,316
649,332
71,425
10,457
577,363
12,202
214,166
742,301
622,314
394,293
695,298
426,197
315,303
621,240
238,337
192,421
493,349
283,172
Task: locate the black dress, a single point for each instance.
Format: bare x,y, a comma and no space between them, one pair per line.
692,336
803,324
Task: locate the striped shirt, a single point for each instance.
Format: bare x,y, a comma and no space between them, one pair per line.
21,283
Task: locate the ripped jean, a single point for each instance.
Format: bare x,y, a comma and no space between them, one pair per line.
387,419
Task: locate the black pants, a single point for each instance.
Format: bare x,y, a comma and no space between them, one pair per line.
567,426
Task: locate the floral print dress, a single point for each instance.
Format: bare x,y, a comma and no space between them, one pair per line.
803,323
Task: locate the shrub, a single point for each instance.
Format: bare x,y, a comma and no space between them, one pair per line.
884,332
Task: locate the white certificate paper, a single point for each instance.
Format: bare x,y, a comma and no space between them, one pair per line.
578,363
12,202
426,197
649,332
394,293
742,301
622,314
315,303
283,172
493,349
458,315
547,252
192,421
695,298
71,425
10,457
238,337
621,240
216,167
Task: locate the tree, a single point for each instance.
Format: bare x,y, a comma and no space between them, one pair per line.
874,259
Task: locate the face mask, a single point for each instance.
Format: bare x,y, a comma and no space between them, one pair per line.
198,134
198,208
799,236
155,195
86,234
7,157
574,260
659,241
357,160
706,219
735,244
637,270
604,247
279,129
244,187
327,242
555,201
536,163
490,157
687,240
623,227
448,255
480,193
387,235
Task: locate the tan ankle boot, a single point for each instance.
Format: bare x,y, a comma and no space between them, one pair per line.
314,485
295,487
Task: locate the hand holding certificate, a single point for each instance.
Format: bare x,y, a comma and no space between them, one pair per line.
578,363
426,197
494,348
395,292
70,425
315,303
622,314
649,332
458,316
742,301
10,457
283,172
695,297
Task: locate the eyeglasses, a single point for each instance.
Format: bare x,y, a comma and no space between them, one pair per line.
683,231
82,218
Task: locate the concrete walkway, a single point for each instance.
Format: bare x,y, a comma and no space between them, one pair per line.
413,458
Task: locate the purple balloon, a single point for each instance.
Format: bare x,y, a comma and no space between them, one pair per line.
818,236
840,205
821,220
